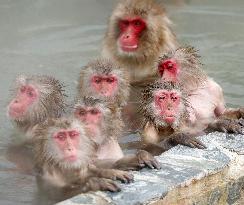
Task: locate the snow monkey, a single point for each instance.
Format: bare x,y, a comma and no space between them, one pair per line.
104,127
138,32
205,95
104,79
64,159
166,110
36,98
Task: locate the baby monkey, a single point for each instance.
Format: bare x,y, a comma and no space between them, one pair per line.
64,159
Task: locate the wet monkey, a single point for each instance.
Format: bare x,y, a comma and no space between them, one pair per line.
166,110
104,79
138,32
35,99
64,159
205,95
104,128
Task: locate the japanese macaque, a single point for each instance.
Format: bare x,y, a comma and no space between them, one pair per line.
104,127
165,107
36,98
205,95
138,32
104,80
64,159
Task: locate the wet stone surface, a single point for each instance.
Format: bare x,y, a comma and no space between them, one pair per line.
180,167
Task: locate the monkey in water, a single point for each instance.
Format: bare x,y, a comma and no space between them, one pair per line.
165,107
138,32
104,79
205,95
36,98
64,159
104,129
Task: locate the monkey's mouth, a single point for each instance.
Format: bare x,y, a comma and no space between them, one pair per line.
169,119
129,48
71,158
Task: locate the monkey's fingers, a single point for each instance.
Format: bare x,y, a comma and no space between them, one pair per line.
156,164
198,144
125,177
109,185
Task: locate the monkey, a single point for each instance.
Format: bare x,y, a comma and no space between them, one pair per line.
105,129
36,98
64,159
105,80
205,95
138,32
165,107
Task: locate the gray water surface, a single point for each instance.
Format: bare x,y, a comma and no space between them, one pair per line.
57,37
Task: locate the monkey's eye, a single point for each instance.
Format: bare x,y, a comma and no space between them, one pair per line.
137,23
30,93
61,136
73,134
162,98
94,111
124,23
110,80
82,112
174,98
170,66
98,80
22,89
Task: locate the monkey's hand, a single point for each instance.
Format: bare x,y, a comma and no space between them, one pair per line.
228,126
100,184
145,159
115,174
187,140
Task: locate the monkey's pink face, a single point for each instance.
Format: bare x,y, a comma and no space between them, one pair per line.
25,97
68,142
105,85
89,115
131,30
169,70
167,105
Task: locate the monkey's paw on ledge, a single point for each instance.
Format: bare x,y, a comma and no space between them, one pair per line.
188,176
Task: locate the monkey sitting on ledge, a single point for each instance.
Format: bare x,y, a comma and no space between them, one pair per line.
64,159
165,107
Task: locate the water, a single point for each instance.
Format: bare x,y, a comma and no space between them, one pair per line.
57,37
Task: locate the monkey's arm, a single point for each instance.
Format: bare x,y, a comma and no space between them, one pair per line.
226,125
131,162
186,139
233,113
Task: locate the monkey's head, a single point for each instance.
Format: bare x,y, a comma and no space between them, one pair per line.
105,80
183,66
164,104
36,98
63,142
93,113
138,30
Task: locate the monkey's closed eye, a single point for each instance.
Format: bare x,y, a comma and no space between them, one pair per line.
110,80
61,136
94,111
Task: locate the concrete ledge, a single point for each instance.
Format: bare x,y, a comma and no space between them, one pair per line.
188,176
